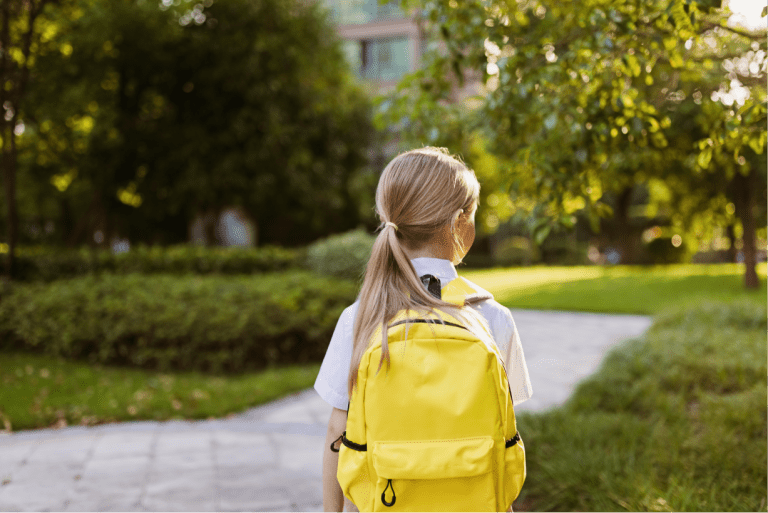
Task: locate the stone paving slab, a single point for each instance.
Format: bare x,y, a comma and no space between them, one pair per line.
562,348
268,458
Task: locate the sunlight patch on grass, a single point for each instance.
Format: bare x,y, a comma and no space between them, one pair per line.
619,289
507,282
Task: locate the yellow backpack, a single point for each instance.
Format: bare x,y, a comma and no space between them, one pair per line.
437,432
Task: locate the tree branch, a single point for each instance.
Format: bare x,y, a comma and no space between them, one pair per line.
750,35
5,13
27,48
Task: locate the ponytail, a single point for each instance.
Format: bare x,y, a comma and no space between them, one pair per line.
419,193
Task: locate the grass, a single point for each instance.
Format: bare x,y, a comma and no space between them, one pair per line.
618,289
672,421
41,391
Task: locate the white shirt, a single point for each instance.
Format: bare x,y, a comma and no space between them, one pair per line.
331,382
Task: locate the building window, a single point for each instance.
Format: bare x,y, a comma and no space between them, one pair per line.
385,59
353,54
357,12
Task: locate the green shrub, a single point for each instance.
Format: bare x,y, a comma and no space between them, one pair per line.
211,323
40,263
343,256
715,256
662,251
476,260
562,249
48,264
515,251
185,258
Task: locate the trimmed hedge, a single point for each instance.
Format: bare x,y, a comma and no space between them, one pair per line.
205,323
662,251
344,256
48,264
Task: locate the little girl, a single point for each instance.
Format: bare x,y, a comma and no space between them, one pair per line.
427,201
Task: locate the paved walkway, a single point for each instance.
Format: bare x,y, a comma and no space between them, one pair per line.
266,459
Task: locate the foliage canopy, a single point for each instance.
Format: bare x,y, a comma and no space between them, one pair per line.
152,114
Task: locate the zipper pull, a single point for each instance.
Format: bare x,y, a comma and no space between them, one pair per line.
383,500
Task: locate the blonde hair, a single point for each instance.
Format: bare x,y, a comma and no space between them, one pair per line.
420,191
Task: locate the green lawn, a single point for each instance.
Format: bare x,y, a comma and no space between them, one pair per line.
673,421
39,391
618,289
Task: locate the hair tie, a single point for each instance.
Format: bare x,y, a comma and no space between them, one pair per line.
393,225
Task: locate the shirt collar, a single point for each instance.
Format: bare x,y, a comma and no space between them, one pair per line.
441,269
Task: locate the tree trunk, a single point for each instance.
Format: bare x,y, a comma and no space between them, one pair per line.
210,220
12,93
624,233
749,245
67,220
109,231
9,180
76,235
732,238
743,200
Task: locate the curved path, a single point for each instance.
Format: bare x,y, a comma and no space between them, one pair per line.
267,459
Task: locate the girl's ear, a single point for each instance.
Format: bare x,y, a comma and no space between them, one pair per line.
457,218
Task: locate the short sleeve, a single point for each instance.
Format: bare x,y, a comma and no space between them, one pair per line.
331,382
507,339
514,359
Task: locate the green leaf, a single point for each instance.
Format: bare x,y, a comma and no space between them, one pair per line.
603,209
567,220
682,21
757,144
633,65
704,157
541,233
676,60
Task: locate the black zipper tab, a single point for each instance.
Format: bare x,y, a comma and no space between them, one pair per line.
383,500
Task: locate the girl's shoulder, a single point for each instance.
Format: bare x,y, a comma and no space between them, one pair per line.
469,286
348,315
490,308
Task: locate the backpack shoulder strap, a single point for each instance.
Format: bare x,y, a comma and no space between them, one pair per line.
462,292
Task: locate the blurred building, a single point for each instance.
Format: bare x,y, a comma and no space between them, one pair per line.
381,41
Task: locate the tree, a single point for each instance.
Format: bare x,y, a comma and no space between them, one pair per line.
150,115
578,93
19,37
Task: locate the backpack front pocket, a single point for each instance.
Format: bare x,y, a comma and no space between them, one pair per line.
435,475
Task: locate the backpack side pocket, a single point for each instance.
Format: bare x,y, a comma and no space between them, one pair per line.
352,473
514,469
